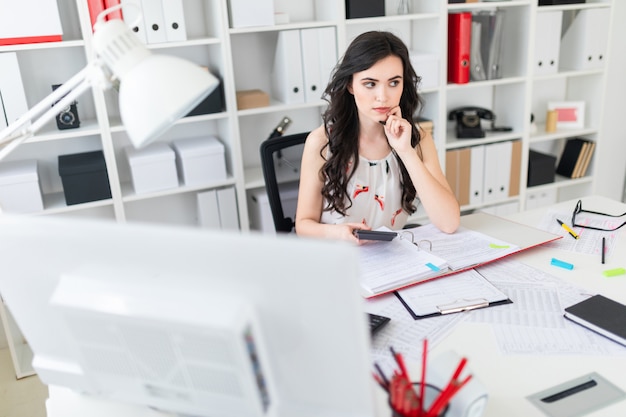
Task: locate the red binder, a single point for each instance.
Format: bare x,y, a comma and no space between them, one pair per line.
95,7
459,42
116,14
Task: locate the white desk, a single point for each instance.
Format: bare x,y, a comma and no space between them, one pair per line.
509,379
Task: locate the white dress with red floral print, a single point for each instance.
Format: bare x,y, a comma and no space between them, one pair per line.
376,196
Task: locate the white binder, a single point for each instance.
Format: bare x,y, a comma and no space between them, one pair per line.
477,164
497,171
154,21
227,202
133,16
547,42
584,43
246,13
175,27
287,75
12,88
319,56
208,210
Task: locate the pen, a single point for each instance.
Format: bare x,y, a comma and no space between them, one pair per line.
603,248
568,229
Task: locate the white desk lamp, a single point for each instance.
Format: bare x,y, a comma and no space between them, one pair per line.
154,90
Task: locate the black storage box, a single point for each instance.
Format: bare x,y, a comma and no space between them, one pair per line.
555,2
541,168
84,177
364,8
213,103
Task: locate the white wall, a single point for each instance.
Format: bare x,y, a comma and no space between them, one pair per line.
611,159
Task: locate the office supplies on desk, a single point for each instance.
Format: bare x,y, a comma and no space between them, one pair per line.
614,272
481,238
577,397
464,291
375,234
431,400
561,264
568,229
602,315
603,248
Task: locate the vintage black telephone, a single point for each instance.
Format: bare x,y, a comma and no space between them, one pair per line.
468,122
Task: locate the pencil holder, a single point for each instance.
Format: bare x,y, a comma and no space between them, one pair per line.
431,393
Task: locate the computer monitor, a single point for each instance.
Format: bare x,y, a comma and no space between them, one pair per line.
196,322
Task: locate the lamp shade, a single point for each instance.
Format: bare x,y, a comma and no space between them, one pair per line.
155,90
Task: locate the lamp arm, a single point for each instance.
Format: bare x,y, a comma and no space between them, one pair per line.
20,130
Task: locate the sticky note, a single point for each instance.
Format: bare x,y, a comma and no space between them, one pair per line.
561,264
494,246
614,272
433,267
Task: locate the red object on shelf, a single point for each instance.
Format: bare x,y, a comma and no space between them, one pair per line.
459,43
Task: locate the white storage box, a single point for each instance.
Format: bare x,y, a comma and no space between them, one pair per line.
152,168
259,207
200,160
246,13
20,191
426,65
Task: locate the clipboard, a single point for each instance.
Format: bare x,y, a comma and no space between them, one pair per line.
465,291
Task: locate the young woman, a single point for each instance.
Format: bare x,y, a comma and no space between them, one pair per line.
368,163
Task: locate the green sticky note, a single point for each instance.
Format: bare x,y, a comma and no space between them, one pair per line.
494,246
614,272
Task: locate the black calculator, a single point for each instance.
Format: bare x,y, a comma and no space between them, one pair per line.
377,322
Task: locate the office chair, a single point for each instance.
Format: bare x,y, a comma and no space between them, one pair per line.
280,161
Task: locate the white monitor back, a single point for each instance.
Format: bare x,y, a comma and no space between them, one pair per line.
304,293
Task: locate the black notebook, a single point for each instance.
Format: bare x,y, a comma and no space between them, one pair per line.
602,315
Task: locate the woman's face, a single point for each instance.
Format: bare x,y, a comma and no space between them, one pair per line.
378,89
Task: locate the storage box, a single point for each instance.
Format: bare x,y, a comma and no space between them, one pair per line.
249,99
541,168
213,103
20,191
84,176
153,168
246,13
259,207
426,66
364,8
200,160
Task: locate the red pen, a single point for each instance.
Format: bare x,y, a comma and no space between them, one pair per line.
423,380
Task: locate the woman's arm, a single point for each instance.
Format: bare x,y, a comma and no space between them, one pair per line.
310,200
426,174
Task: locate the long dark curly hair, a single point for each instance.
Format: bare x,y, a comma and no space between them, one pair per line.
341,120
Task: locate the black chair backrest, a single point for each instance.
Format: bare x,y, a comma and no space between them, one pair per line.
280,161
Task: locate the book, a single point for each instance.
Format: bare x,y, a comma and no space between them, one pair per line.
569,157
592,147
602,315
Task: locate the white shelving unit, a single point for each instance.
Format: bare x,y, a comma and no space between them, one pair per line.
243,57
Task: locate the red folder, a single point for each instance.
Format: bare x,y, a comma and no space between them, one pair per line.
95,7
116,14
459,42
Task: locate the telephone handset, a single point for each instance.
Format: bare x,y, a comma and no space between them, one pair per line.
468,121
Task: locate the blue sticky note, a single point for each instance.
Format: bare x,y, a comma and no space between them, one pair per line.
561,264
433,267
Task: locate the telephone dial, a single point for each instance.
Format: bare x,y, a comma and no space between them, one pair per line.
468,122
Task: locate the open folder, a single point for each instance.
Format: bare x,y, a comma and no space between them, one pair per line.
425,253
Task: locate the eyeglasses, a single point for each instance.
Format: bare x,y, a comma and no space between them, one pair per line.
579,209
